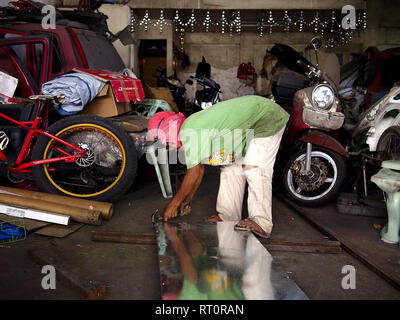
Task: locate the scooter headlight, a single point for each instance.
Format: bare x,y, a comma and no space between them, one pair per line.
323,97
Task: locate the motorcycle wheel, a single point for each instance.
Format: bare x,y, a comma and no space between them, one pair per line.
389,143
105,173
328,172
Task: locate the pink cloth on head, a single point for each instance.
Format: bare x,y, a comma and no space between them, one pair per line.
165,126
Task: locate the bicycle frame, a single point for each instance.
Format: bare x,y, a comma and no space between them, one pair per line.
19,166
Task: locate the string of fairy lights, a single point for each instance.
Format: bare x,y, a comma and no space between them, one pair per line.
328,26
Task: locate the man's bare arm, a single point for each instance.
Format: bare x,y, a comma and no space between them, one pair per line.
188,188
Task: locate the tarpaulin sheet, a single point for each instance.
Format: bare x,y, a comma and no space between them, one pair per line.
79,90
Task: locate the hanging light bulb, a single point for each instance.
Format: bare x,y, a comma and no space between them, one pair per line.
132,21
262,27
207,21
223,22
316,22
364,20
161,22
238,22
286,21
271,22
333,21
231,23
191,21
301,21
177,21
145,21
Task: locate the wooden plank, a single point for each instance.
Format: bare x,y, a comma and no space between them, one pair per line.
327,243
124,237
303,249
70,276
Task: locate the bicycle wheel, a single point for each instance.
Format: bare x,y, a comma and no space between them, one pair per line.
105,172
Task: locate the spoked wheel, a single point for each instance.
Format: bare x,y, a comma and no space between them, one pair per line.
321,183
389,143
104,173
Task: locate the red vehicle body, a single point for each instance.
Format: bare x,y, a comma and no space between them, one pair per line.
34,56
72,45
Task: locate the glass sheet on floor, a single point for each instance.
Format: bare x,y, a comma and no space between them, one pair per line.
215,262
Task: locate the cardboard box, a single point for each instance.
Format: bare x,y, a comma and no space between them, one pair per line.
162,94
106,105
114,99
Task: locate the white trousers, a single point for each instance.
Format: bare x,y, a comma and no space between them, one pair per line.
246,255
260,156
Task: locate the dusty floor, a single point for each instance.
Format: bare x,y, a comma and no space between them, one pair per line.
131,271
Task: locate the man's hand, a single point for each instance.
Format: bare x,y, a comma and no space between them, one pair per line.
171,210
185,208
181,201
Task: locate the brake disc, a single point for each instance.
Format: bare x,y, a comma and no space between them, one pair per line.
100,150
315,178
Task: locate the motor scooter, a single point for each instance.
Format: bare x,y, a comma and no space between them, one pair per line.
311,157
379,126
376,135
208,95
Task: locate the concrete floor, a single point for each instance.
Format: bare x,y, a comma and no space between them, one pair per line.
131,271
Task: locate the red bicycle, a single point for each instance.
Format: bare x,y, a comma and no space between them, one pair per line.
81,156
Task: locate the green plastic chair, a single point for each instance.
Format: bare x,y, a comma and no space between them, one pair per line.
162,168
148,107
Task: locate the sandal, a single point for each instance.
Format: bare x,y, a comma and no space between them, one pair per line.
250,225
213,218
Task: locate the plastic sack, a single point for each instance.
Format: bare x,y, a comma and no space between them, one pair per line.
79,90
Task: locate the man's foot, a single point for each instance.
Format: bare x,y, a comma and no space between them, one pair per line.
213,218
250,225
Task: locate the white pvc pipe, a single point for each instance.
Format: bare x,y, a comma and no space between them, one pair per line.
34,214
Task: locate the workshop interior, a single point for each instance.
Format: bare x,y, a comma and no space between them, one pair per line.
198,150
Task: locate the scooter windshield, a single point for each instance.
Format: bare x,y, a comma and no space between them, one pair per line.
289,57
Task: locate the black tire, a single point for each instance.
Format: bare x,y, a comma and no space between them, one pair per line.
389,143
368,67
108,170
320,194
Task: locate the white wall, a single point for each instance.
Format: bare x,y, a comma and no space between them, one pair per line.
225,53
118,19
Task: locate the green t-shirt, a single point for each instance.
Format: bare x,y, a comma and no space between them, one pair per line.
213,283
222,132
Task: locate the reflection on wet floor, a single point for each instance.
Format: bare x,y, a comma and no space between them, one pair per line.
215,262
